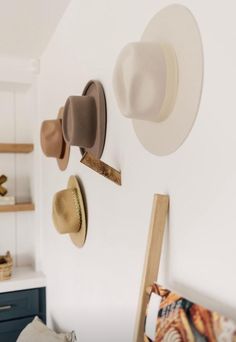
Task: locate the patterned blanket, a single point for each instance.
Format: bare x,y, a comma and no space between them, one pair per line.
179,320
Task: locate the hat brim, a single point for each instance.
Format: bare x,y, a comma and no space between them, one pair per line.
176,26
78,238
95,90
63,161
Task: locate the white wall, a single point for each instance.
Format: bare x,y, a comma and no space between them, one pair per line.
26,26
18,231
94,290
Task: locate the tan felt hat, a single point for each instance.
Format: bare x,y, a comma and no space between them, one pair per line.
158,80
68,212
85,118
52,141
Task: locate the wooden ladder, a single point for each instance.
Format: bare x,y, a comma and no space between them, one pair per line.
152,259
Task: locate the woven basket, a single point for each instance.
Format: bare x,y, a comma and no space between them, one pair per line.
5,266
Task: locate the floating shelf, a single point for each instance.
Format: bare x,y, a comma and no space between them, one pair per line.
16,148
17,207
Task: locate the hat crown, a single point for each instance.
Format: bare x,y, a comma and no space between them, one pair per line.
51,138
80,121
66,211
145,81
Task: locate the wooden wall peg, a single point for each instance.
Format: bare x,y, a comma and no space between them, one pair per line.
3,191
152,259
102,168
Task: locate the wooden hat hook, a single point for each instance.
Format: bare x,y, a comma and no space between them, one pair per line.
102,168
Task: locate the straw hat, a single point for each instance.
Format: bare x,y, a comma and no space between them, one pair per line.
52,141
158,80
68,212
84,120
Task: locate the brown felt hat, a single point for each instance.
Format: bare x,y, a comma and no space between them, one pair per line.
68,212
84,120
52,140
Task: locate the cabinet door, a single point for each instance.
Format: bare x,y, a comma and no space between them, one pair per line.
19,304
9,331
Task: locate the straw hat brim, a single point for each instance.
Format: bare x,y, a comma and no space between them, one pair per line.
95,90
78,238
63,162
175,26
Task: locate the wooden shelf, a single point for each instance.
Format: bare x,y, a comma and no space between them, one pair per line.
16,148
17,207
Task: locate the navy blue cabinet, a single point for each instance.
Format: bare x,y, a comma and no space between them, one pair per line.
17,309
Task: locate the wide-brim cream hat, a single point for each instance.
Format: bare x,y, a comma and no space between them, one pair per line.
158,80
69,214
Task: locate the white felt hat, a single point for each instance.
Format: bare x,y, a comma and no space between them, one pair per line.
158,80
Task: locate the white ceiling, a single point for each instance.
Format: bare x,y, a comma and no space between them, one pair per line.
27,25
